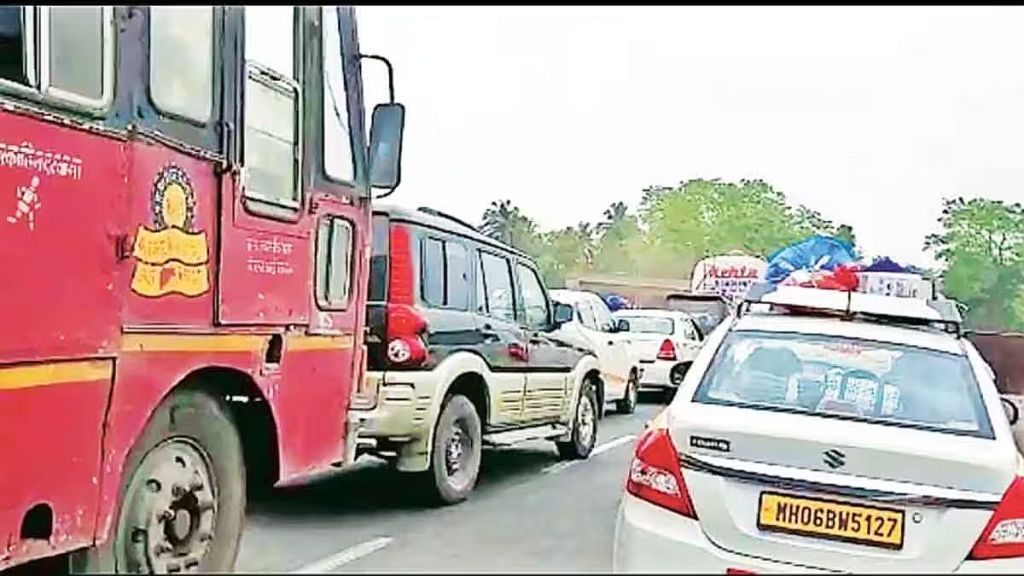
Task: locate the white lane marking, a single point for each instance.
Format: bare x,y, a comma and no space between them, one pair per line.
613,443
347,555
559,466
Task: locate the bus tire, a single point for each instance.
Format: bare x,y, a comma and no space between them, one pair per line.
182,499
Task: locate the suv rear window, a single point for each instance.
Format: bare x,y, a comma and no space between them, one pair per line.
444,274
847,378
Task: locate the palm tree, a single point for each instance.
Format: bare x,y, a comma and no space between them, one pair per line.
500,220
585,232
613,215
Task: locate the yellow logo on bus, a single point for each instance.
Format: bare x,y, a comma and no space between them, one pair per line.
171,257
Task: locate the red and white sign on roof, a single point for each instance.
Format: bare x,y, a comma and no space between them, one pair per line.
730,275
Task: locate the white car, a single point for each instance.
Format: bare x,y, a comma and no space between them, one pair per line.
666,341
829,442
595,328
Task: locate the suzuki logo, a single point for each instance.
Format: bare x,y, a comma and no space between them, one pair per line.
834,458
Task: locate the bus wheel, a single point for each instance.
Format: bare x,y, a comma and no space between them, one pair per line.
183,496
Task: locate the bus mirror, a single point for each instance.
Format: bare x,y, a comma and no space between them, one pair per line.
386,145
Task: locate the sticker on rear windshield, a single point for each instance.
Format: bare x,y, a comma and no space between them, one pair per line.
717,444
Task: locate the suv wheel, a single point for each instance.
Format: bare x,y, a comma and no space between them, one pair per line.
584,426
455,453
627,405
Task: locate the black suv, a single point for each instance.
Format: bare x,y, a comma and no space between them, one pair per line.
460,353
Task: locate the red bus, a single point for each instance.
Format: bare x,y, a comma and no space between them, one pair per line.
184,247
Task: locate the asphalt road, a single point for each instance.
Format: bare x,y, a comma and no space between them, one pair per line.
529,513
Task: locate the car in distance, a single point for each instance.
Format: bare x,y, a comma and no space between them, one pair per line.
666,342
827,431
461,353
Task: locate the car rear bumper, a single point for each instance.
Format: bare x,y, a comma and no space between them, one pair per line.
650,539
403,406
656,376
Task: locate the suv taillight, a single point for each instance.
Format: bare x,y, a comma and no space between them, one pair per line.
1003,536
654,473
405,324
667,350
405,345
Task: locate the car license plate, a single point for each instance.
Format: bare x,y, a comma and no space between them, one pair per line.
832,520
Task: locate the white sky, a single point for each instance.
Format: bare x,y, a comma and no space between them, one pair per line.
868,114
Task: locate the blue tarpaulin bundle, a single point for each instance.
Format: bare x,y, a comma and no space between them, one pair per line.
814,253
616,302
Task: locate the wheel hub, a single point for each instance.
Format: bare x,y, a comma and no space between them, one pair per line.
181,525
454,451
169,511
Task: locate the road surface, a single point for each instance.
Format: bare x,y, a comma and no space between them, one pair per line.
529,513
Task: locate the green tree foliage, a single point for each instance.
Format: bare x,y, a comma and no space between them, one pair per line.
505,222
673,229
981,245
706,217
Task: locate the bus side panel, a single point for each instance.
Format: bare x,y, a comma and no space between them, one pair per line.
173,211
61,200
52,418
307,396
149,367
311,401
266,266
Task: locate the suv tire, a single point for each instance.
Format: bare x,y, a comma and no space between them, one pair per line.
584,425
627,404
455,452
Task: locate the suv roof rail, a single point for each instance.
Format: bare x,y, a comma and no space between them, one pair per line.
849,303
439,214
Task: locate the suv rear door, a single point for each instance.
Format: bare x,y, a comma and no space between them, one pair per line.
503,343
549,364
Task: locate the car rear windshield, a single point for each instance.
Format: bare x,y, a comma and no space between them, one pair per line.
649,324
847,378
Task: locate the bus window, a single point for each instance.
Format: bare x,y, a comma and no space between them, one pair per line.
181,61
270,38
14,45
72,57
337,148
272,97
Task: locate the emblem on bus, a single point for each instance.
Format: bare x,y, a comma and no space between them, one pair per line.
171,256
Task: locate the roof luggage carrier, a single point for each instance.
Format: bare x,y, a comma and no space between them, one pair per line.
852,305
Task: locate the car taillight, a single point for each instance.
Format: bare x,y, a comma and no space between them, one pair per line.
1003,536
667,350
654,473
405,324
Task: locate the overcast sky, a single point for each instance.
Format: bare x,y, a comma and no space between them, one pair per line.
870,115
